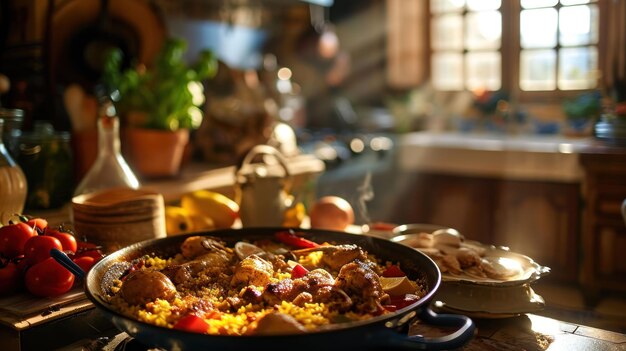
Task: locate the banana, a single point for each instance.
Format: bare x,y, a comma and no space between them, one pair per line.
221,209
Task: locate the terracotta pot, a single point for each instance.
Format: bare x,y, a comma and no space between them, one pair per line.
155,153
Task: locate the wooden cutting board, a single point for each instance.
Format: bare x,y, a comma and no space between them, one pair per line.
24,310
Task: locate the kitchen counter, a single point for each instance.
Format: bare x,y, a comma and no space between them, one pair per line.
517,157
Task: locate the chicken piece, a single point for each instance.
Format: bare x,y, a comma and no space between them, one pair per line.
333,297
143,286
318,278
466,256
276,323
290,289
283,290
252,270
451,264
184,273
362,284
335,256
302,298
195,246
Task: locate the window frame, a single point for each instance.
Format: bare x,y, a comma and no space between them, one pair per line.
510,50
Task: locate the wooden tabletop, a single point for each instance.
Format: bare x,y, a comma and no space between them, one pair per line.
534,333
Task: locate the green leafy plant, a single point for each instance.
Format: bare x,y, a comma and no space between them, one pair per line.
585,106
167,96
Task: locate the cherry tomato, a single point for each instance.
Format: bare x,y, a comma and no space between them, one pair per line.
13,237
192,323
85,262
68,241
37,248
88,249
48,278
9,278
393,271
298,271
403,300
39,224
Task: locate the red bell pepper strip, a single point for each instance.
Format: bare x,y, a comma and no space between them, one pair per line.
298,271
192,323
393,271
291,239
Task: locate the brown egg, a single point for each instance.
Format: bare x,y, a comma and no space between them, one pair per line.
331,212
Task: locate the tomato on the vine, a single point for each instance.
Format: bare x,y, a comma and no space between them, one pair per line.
39,224
85,262
48,278
9,278
88,249
37,248
68,241
13,237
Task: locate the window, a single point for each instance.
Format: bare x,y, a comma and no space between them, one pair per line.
546,45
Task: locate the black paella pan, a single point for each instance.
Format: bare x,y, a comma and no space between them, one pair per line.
387,331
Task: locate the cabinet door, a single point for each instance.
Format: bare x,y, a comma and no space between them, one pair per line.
462,203
539,220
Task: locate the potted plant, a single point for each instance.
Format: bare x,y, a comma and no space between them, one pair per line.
159,105
582,112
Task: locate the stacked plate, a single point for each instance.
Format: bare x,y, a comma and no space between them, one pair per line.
115,218
478,280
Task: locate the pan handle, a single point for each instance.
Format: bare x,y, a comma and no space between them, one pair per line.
449,342
67,262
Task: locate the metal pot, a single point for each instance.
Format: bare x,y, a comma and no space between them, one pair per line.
382,332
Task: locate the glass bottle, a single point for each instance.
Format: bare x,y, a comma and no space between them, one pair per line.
13,186
109,170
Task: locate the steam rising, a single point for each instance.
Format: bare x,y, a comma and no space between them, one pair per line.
366,193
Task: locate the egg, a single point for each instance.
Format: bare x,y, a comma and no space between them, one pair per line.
332,213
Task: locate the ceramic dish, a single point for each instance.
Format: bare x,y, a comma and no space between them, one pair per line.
481,301
488,265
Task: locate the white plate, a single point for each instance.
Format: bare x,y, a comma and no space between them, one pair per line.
483,301
514,269
525,268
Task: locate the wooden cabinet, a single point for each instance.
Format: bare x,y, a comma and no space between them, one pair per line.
539,219
604,232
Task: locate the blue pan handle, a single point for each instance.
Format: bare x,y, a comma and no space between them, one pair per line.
65,261
449,342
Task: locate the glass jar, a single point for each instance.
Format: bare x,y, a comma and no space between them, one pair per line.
13,184
109,170
13,119
45,156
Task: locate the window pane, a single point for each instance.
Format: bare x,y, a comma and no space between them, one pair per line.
481,5
578,25
538,70
439,6
483,30
575,2
447,71
530,4
577,68
447,32
538,28
483,71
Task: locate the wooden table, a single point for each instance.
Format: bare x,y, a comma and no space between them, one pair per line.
526,332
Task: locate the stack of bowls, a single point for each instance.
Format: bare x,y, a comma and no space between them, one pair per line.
115,218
